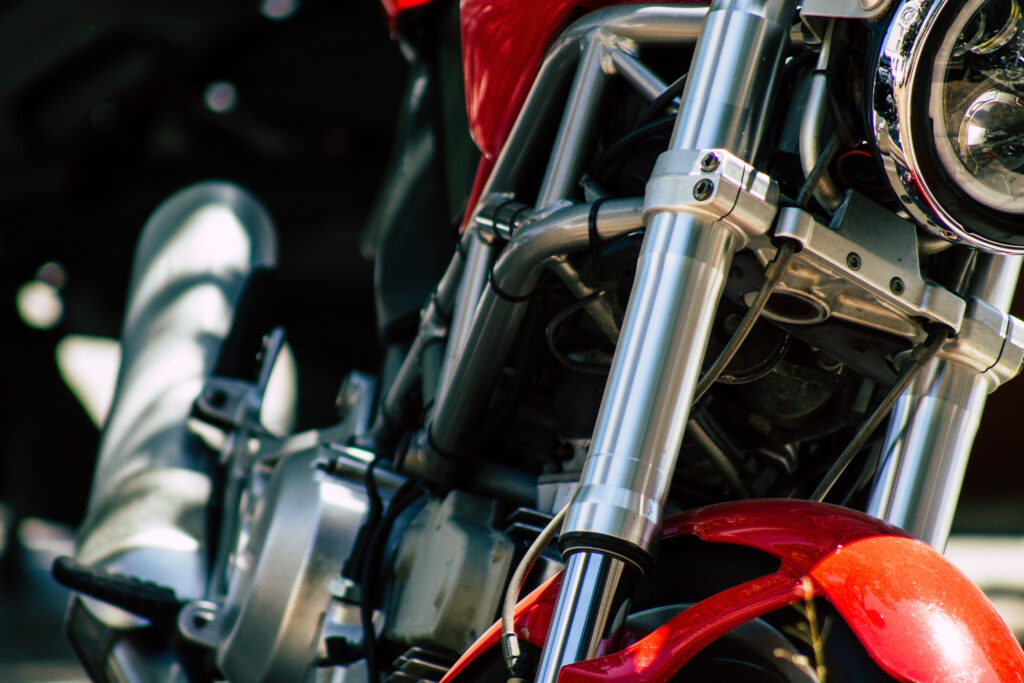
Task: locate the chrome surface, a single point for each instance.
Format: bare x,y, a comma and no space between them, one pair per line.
905,63
679,279
496,320
885,247
932,428
813,124
845,9
589,583
926,449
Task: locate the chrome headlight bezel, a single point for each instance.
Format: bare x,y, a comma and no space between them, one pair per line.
906,136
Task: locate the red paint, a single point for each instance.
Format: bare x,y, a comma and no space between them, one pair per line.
898,591
393,8
503,44
891,589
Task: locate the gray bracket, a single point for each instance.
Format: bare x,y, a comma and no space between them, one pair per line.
864,268
845,9
990,342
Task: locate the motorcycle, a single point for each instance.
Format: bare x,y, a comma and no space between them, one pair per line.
719,312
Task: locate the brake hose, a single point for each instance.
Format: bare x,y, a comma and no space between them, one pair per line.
509,642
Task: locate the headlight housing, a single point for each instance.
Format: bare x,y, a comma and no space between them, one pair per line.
948,103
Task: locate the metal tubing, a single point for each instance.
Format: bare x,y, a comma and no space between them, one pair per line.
645,81
680,277
599,308
932,429
432,326
647,25
813,126
577,128
496,319
586,576
478,255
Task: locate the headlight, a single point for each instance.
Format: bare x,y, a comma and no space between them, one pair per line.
949,118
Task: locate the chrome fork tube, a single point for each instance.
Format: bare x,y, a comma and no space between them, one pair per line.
933,425
615,516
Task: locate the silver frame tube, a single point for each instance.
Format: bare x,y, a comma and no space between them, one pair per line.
680,277
496,320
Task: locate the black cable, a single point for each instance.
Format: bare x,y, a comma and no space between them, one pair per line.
803,198
673,90
406,494
921,355
611,153
773,273
552,328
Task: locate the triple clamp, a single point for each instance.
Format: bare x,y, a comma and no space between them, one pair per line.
716,185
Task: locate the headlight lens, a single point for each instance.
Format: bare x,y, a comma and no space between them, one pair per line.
975,106
948,107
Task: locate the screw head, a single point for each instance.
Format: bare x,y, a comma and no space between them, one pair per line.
897,286
853,260
709,163
703,189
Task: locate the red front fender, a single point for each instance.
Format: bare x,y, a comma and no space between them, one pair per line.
918,617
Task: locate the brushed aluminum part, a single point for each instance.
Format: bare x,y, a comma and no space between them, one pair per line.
933,424
735,194
680,277
303,527
885,250
845,9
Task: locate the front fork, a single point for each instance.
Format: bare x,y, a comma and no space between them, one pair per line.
614,522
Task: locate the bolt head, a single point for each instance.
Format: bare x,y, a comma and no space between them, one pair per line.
897,286
709,162
853,260
703,189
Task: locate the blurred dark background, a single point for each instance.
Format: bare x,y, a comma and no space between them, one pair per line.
106,108
109,106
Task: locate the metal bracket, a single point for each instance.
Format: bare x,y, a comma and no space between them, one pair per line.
713,184
864,268
845,9
237,402
990,342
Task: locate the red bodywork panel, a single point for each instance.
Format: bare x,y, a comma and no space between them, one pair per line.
393,8
918,617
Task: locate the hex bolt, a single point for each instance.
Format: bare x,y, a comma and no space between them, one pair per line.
703,189
853,260
709,163
897,286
